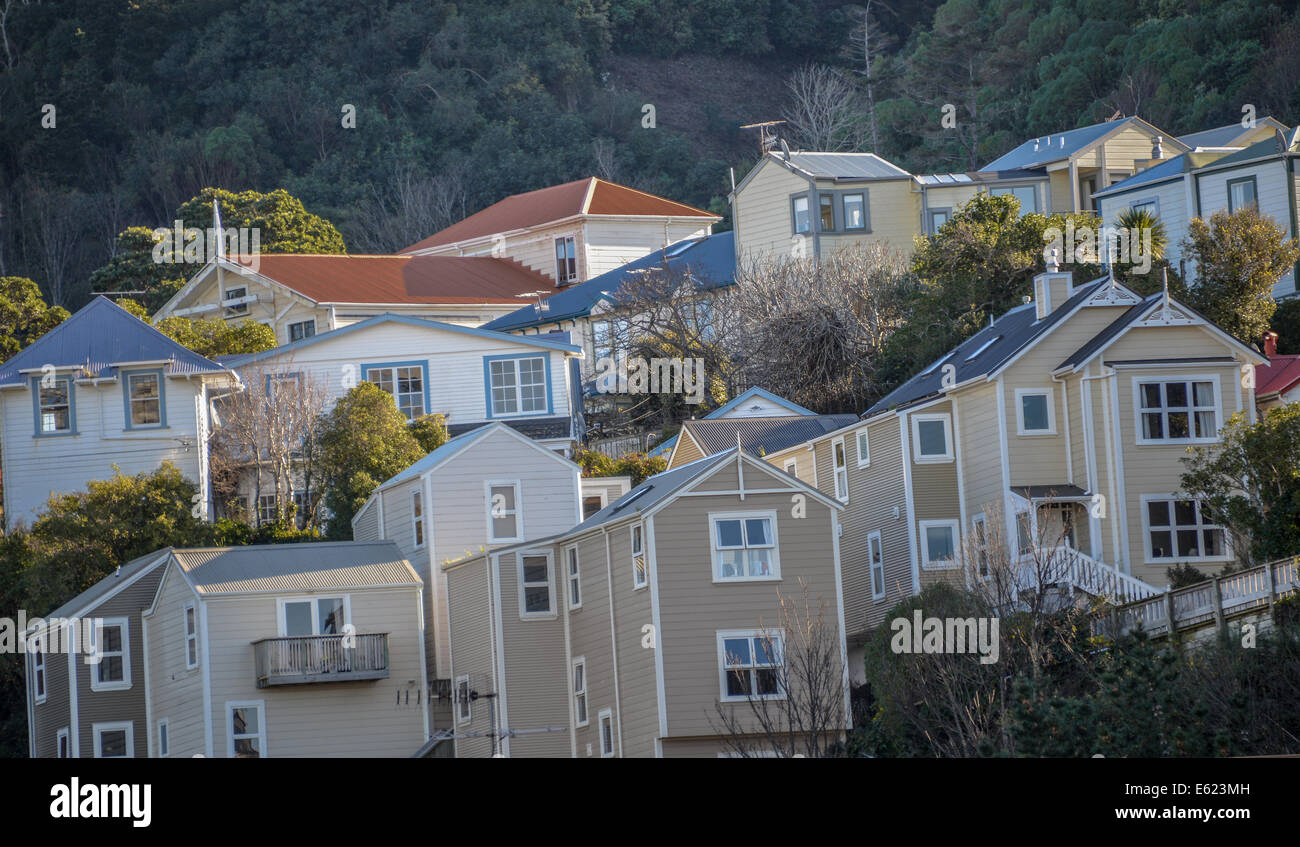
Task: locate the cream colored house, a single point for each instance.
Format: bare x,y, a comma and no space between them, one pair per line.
571,232
285,650
625,635
1065,419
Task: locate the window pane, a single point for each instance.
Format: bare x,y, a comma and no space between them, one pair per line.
760,562
504,527
767,651
1153,425
767,682
735,651
758,532
112,743
1213,539
1203,393
330,613
853,217
1185,513
738,683
1175,394
939,542
827,203
1162,544
537,599
729,533
110,669
1205,427
507,495
933,437
1151,395
112,639
1034,409
801,220
730,564
297,618
1188,542
1178,425
534,572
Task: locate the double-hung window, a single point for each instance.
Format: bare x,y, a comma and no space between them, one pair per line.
517,386
750,663
566,259
841,467
1180,530
536,585
876,560
580,691
144,393
855,212
1174,411
505,524
574,577
801,220
417,519
54,405
744,546
111,653
639,579
191,636
404,383
246,729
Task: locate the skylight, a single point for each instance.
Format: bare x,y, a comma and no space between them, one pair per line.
986,345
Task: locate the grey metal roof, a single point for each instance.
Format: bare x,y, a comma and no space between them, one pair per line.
1220,136
985,351
296,567
1115,327
846,166
1171,169
97,591
760,436
945,179
1050,148
536,428
652,490
100,336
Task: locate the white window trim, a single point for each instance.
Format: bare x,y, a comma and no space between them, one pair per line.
518,511
722,636
95,684
1150,559
862,438
164,732
715,556
186,609
791,466
839,447
40,671
520,411
97,731
418,527
570,578
952,524
601,717
550,583
880,542
982,519
1020,412
260,705
947,455
464,706
315,610
1139,381
60,738
580,661
636,530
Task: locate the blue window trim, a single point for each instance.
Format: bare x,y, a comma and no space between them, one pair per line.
297,375
424,371
125,377
35,383
487,384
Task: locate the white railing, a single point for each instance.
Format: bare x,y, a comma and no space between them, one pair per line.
320,658
1065,566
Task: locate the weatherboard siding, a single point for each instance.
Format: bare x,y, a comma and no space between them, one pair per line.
610,244
1273,196
473,651
763,213
175,690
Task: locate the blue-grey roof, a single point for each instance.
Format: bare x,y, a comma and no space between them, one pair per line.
1172,169
652,490
1050,148
551,343
710,259
1220,136
98,337
846,166
1258,150
985,351
761,436
795,409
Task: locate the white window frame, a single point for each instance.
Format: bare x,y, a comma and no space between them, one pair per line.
394,378
641,574
582,718
268,513
517,511
724,670
1189,379
464,705
63,744
95,634
840,468
309,322
189,610
876,539
605,718
1149,555
863,442
164,738
40,674
260,705
417,518
97,733
1021,393
926,563
980,528
131,399
791,466
281,602
550,612
569,244
517,388
573,576
716,551
922,459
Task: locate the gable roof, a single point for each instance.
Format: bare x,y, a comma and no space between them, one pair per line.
295,567
590,196
454,446
986,351
1222,136
544,342
1038,152
842,166
1258,150
1166,171
99,336
761,436
710,259
667,445
1280,375
101,590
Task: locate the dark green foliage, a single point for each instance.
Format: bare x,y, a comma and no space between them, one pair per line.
639,466
430,431
24,315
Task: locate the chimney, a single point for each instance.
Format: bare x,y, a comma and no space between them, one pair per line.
1052,287
1270,344
1157,148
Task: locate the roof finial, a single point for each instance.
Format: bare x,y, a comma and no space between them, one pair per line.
1052,265
1164,272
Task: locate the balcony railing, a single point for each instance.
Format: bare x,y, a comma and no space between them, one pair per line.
320,658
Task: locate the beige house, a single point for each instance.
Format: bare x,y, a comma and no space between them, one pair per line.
1065,419
626,634
282,650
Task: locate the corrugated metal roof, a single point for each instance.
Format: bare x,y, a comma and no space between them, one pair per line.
99,336
110,582
845,165
761,436
1221,136
557,202
1156,173
652,490
296,567
1037,152
945,179
1280,374
711,260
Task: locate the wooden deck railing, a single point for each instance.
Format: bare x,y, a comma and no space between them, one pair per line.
320,658
1064,564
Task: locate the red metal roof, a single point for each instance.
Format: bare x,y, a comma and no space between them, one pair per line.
590,196
1280,374
404,279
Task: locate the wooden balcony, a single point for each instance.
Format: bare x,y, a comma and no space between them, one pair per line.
320,658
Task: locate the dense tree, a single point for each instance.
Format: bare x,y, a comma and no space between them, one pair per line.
283,224
209,337
135,269
24,315
430,431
